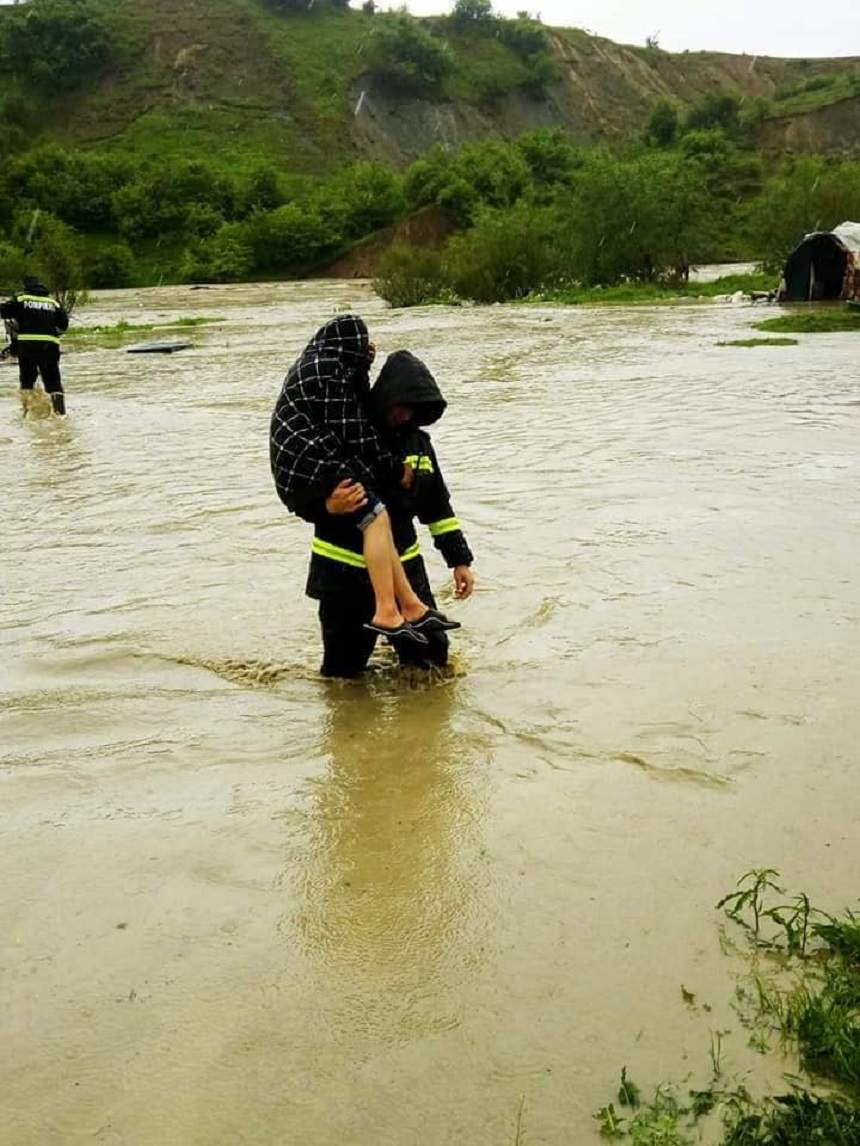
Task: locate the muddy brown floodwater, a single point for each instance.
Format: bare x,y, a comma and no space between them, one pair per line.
243,906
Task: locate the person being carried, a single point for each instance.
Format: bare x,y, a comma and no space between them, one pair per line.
404,401
39,320
321,435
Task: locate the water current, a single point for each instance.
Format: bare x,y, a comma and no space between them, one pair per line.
241,905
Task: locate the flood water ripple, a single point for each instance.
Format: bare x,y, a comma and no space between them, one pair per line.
243,905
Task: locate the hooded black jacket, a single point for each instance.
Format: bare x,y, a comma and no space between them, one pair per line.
39,319
336,559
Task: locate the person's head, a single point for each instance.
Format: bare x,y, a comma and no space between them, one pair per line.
344,337
32,285
406,394
399,415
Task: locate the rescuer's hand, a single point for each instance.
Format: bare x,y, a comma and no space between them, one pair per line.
464,582
346,497
408,478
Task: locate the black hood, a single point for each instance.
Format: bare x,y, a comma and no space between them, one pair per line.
404,380
33,286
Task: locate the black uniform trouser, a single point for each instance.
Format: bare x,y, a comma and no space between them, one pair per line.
45,362
347,645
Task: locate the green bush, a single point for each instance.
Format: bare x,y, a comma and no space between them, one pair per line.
55,45
158,200
506,255
76,186
473,12
13,266
56,260
225,257
409,276
110,267
715,109
662,127
811,193
288,238
402,52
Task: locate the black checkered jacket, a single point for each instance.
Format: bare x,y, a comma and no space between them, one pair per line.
321,432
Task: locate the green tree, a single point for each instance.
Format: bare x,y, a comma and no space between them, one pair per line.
55,45
56,259
224,257
812,193
662,126
110,267
497,171
716,109
290,237
365,198
506,255
473,11
13,266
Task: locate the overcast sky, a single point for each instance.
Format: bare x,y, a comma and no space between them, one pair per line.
760,27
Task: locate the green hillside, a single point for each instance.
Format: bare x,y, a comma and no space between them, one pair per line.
150,140
232,81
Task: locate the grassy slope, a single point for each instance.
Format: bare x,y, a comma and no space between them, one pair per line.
235,82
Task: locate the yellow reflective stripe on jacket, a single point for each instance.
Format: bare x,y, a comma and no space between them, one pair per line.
349,557
412,551
37,298
446,525
420,462
37,338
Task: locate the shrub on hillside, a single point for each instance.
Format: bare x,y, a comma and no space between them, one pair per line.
401,51
716,109
661,129
409,276
55,45
550,156
473,12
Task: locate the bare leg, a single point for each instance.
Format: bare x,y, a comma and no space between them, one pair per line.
411,605
378,549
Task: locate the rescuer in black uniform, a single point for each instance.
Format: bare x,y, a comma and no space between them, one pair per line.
404,399
39,321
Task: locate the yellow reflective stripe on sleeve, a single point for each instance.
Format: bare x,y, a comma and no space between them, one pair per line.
38,338
446,525
420,462
349,557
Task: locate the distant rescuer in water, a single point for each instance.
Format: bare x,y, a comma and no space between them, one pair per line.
39,321
405,398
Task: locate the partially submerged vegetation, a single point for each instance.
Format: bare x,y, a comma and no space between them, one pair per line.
760,342
803,990
816,319
110,337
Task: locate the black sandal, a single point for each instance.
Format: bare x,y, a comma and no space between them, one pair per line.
404,632
435,622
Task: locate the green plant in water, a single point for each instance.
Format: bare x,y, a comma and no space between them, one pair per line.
751,897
